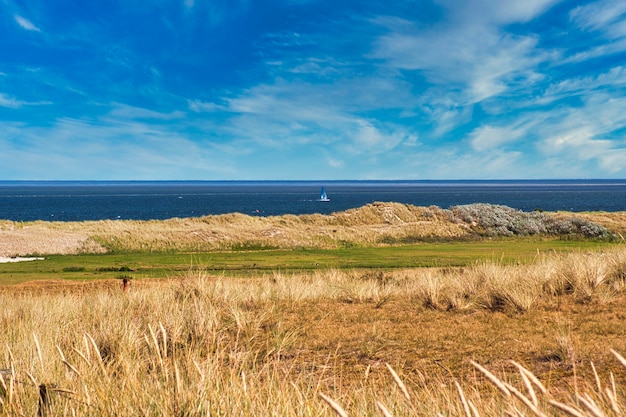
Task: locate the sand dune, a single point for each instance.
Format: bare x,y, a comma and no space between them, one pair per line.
371,224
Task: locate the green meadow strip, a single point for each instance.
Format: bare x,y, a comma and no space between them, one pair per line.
169,264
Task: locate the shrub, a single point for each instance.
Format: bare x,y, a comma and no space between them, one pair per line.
74,269
495,220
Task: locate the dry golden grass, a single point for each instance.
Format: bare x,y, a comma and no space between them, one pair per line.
365,225
487,340
368,225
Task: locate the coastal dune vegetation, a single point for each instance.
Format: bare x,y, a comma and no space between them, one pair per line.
541,335
370,225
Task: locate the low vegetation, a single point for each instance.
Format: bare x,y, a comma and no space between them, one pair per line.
250,263
488,339
375,224
493,220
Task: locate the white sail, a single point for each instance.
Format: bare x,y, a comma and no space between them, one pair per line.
323,196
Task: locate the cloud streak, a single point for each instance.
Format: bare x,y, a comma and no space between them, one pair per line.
26,24
467,49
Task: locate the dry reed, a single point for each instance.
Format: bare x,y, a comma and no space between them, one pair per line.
211,345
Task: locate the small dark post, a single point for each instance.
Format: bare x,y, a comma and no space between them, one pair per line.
4,373
44,401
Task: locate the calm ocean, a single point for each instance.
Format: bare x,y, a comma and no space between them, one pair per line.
143,200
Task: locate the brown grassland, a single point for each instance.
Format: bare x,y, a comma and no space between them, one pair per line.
543,338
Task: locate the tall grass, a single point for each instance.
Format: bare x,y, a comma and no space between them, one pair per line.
373,224
211,345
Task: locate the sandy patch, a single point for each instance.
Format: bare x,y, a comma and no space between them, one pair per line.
4,260
42,239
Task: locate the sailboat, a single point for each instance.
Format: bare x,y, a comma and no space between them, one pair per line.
323,196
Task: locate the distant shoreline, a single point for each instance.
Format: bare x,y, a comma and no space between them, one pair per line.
317,183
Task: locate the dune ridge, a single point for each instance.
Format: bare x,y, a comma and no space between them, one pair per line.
373,224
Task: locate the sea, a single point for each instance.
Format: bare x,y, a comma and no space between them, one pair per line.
147,200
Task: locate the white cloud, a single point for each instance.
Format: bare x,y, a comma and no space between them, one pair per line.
411,140
26,24
498,165
597,51
573,139
289,115
565,141
368,137
288,104
7,101
589,133
500,12
467,58
452,162
13,103
614,77
608,18
334,162
468,50
614,161
107,149
605,15
200,106
124,111
489,138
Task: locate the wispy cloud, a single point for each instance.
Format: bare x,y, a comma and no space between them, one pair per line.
588,132
597,52
12,102
123,111
467,48
199,106
290,114
6,101
604,24
492,138
106,149
580,138
576,86
25,23
606,16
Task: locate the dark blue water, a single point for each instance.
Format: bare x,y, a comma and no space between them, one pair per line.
70,201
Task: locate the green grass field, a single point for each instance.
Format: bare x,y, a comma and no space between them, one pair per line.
141,265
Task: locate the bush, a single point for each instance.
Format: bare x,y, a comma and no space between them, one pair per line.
74,269
495,220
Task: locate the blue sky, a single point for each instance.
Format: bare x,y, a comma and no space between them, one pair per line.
312,89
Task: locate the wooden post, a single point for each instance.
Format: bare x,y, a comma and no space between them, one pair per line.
4,395
44,401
